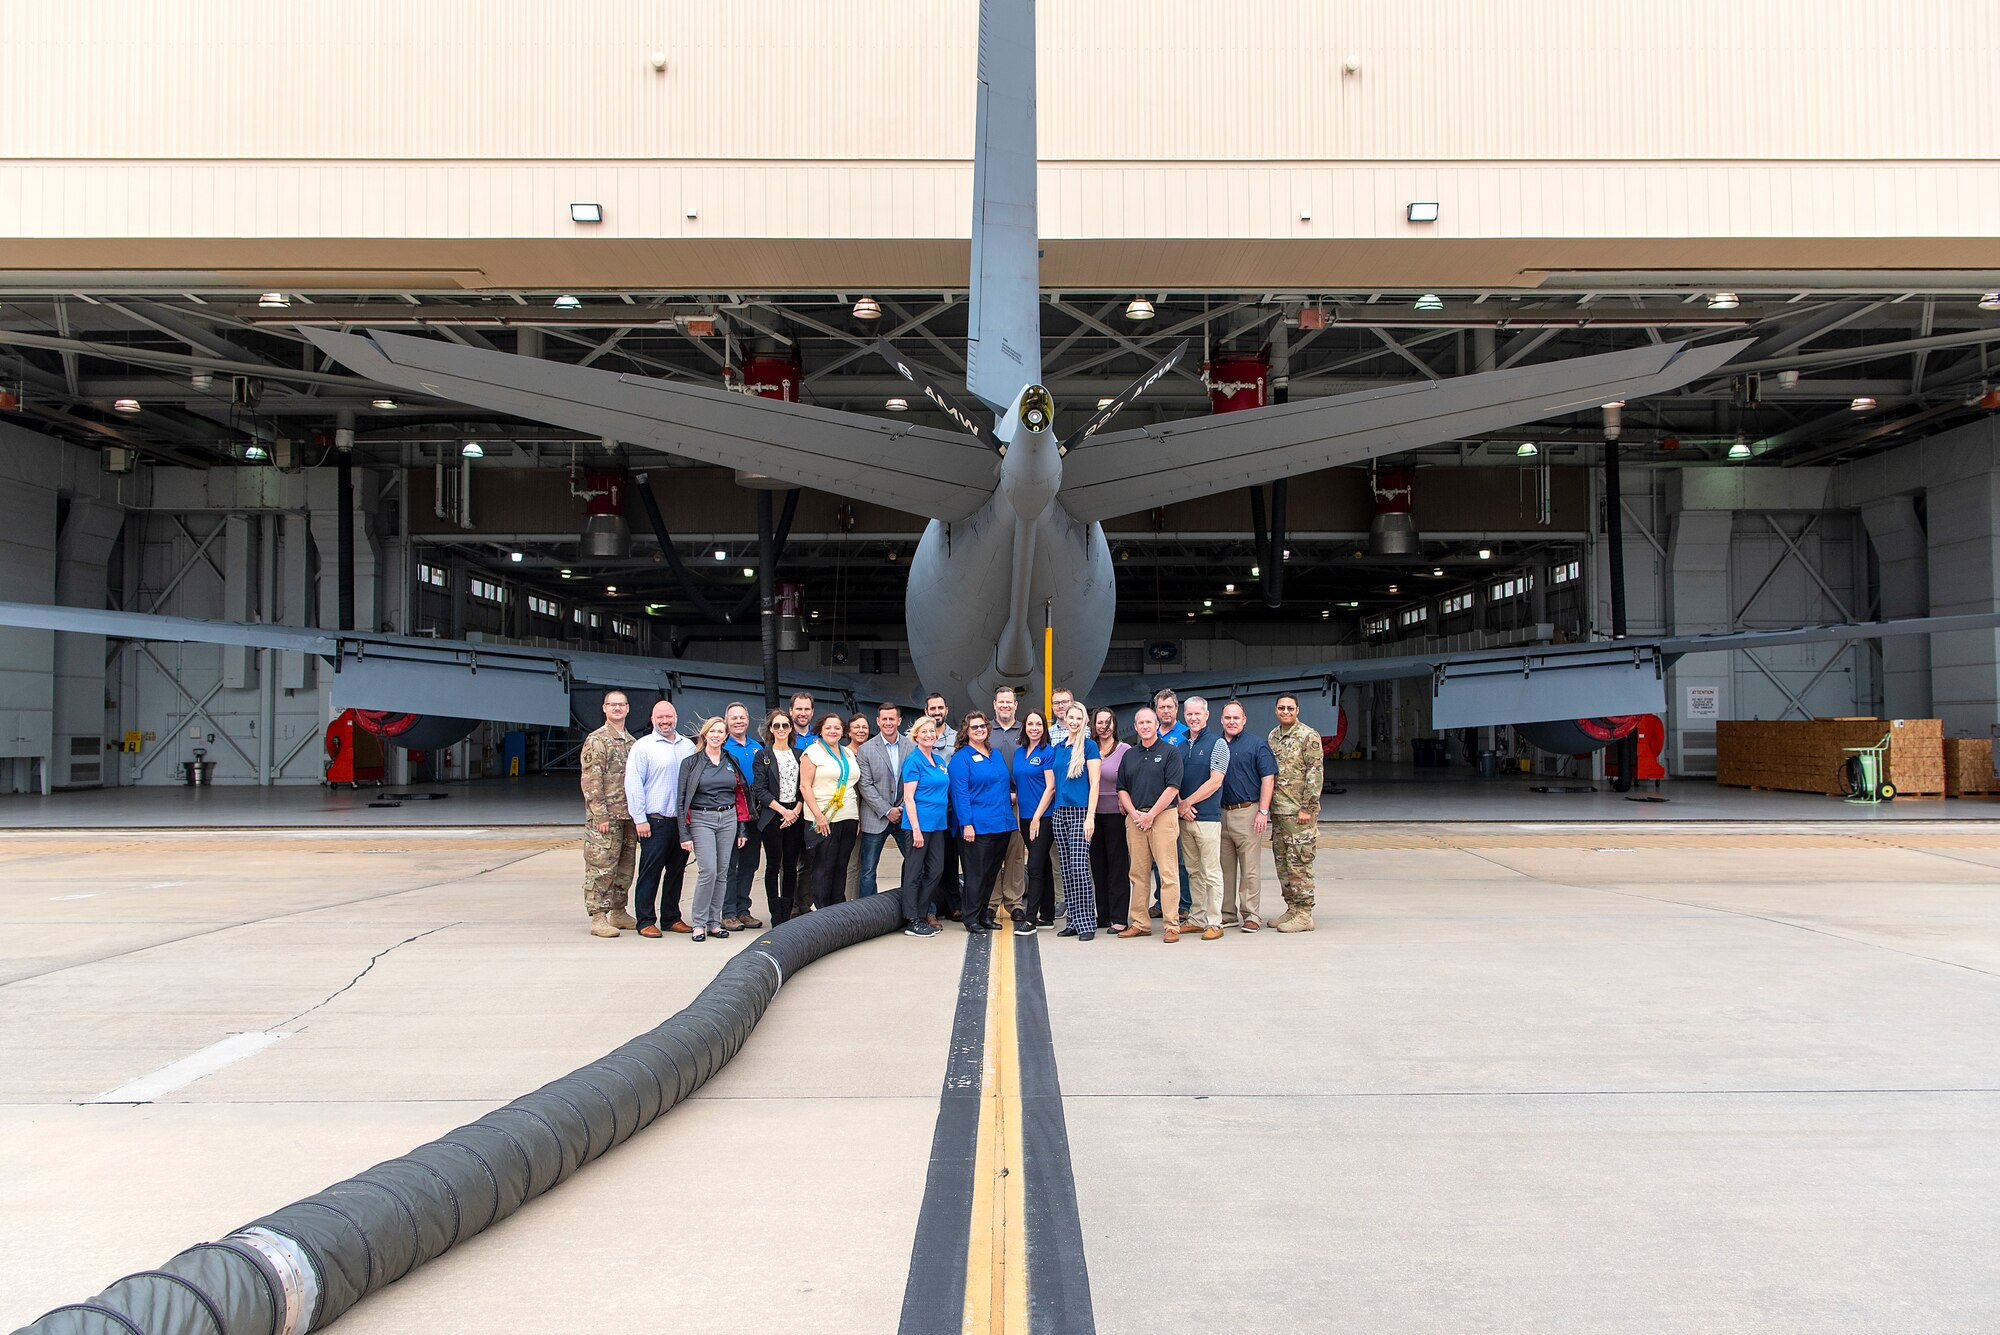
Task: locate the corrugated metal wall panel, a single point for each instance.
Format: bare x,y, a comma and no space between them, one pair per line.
1123,80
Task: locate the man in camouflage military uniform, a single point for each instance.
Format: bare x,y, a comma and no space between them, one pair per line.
610,844
1295,813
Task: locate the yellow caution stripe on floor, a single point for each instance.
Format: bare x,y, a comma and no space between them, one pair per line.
996,1263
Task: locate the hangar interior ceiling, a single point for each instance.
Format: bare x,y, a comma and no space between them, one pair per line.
220,377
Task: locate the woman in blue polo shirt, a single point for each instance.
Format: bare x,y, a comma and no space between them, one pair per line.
982,802
1034,791
926,790
1077,769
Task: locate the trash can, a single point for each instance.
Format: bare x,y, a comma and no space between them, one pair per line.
198,773
1489,764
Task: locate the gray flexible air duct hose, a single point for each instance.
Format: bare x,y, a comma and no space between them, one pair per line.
300,1268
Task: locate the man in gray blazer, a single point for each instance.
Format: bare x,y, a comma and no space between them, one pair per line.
881,785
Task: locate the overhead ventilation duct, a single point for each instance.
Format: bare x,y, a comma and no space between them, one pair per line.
1236,383
1393,530
791,630
606,536
300,1268
769,376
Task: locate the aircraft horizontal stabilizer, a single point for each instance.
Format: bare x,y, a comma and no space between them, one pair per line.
916,469
935,394
1130,472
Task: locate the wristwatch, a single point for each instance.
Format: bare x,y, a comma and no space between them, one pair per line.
1263,811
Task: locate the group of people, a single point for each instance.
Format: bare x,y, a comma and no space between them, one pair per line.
990,813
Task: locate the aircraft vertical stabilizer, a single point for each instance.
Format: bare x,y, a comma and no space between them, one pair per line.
1004,352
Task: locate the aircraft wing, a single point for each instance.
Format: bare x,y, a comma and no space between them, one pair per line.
917,469
414,674
1529,684
1127,472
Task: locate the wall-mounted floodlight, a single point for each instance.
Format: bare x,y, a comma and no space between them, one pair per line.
1426,212
586,213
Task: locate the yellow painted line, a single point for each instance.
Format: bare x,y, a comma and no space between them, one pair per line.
996,1261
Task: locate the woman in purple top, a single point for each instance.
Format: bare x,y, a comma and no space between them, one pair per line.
1110,861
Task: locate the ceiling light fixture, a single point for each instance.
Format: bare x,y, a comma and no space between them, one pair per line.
1229,588
1256,572
1862,403
1724,301
1425,212
1740,450
1430,301
568,303
1526,450
611,588
586,213
1352,603
1208,602
383,403
125,405
1989,301
472,449
274,301
516,557
1139,309
567,573
256,453
1104,403
1615,403
721,555
897,405
749,572
867,308
1395,588
1437,572
1325,613
1486,553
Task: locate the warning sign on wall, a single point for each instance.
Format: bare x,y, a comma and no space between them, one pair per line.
1704,704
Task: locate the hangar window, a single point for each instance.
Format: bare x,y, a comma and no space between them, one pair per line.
624,629
486,590
1376,626
545,606
1567,572
1501,590
583,618
1414,616
431,575
1458,602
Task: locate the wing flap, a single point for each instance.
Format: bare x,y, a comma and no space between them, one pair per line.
935,474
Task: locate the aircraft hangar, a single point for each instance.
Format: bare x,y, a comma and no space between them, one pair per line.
1662,1006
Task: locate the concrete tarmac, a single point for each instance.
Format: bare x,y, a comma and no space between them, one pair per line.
1526,1076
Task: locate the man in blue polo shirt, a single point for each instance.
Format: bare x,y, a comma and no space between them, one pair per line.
1204,763
743,861
1167,707
1246,816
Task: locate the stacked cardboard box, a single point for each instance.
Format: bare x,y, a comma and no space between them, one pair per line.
1968,767
1806,756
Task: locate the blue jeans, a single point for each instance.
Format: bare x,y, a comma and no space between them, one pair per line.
871,854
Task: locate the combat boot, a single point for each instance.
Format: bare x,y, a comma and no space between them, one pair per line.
622,920
600,925
1291,912
1298,920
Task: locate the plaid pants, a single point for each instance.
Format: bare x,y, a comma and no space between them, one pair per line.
1073,855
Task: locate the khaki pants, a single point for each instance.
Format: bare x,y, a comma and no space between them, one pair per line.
1012,887
1242,865
1201,855
1159,846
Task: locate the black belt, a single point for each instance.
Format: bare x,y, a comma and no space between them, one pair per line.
730,807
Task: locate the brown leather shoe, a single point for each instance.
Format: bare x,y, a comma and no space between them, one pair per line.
732,924
1252,925
678,926
751,924
1173,935
650,929
1211,934
1136,930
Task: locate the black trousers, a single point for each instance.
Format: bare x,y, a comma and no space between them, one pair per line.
921,872
1038,894
662,863
782,844
948,897
980,863
1111,869
829,862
